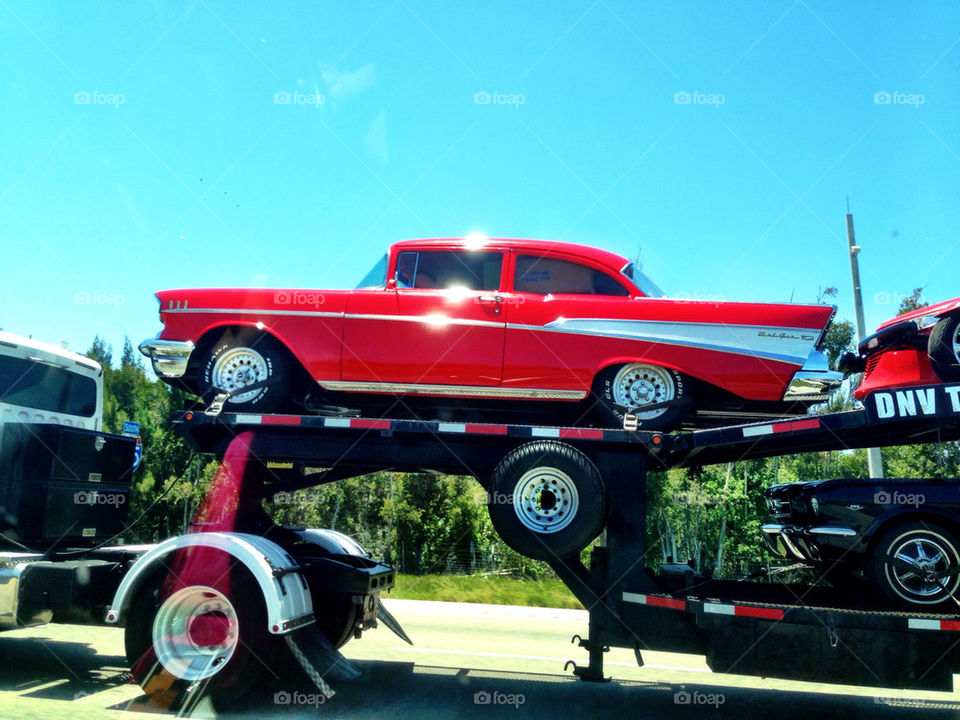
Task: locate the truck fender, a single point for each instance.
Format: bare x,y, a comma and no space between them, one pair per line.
286,594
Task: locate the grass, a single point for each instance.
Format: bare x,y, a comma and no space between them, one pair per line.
489,589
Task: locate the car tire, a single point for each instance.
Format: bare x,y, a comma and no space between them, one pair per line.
637,384
207,636
926,545
547,500
240,358
943,347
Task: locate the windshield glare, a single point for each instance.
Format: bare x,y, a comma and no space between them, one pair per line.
377,277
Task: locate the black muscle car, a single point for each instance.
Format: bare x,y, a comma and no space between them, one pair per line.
902,535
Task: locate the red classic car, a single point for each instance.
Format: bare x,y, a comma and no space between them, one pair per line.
510,323
921,347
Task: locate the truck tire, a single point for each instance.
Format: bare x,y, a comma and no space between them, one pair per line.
915,564
205,636
546,500
239,358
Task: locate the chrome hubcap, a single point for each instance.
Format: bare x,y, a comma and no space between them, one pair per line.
638,385
236,369
545,500
195,633
929,557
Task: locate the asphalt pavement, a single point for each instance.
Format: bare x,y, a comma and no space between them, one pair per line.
468,661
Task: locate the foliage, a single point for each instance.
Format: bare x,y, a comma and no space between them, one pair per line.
485,588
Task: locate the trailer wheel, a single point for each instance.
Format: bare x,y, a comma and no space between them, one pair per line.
209,637
917,563
240,358
546,499
943,347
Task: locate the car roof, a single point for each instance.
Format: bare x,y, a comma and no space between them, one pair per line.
604,257
50,351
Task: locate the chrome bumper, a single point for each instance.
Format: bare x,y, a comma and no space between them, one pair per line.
814,381
169,357
775,531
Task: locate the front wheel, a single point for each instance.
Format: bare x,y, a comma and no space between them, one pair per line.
240,359
943,347
546,500
917,564
205,635
637,384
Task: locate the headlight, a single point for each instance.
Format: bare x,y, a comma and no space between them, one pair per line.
926,321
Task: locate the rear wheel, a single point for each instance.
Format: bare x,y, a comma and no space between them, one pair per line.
206,636
637,384
241,358
943,347
917,564
547,500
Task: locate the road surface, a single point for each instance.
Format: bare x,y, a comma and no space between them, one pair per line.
469,661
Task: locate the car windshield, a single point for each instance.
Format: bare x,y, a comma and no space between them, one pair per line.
377,276
643,283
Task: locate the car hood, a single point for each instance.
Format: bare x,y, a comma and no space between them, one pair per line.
941,308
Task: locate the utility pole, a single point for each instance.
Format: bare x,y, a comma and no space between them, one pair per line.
874,459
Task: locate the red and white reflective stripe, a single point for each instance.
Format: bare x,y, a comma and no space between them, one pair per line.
926,624
770,429
655,601
584,433
743,611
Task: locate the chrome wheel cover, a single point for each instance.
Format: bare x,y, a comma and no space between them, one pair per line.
930,554
237,368
545,500
195,633
638,385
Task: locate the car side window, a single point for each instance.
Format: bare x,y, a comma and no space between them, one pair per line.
546,275
445,269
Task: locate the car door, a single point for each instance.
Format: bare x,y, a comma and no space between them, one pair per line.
440,321
546,292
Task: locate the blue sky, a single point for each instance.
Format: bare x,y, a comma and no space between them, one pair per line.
199,143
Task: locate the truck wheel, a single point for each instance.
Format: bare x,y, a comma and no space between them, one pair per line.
547,500
636,385
943,347
207,637
912,564
241,358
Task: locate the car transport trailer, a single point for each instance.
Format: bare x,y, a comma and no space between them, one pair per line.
551,489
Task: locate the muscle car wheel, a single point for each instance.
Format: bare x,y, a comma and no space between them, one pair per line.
546,499
944,348
917,563
240,359
637,384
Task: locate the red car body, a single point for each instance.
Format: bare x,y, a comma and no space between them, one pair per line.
522,320
917,348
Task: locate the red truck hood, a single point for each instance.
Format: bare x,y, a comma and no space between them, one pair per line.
941,308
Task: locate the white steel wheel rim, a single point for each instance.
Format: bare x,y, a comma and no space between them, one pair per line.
185,644
236,369
956,345
639,385
929,553
545,500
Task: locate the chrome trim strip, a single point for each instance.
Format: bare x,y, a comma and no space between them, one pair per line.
242,311
437,319
451,390
772,528
666,333
812,385
836,531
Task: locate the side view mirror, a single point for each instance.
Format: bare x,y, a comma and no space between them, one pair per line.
392,284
